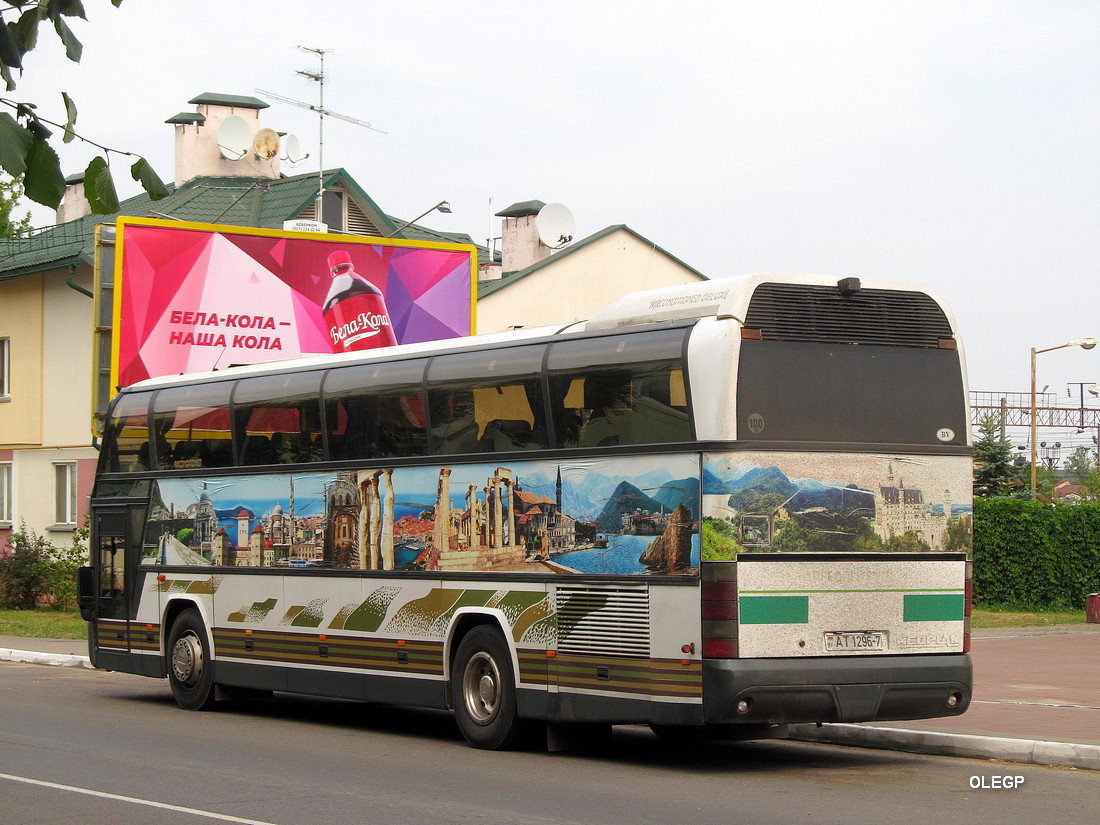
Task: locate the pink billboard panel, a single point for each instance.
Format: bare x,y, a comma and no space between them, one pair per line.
193,297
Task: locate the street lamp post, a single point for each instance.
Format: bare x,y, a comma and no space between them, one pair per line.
1083,343
442,206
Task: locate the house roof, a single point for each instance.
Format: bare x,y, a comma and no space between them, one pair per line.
233,201
414,232
485,288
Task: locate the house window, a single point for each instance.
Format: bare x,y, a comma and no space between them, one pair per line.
5,494
64,494
332,209
5,373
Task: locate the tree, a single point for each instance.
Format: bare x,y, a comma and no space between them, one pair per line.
10,227
25,148
994,474
1081,468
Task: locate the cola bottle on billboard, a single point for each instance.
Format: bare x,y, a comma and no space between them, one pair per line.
355,310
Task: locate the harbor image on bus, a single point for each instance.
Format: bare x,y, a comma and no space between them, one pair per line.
715,509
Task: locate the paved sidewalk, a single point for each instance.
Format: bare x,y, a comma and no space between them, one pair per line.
1036,699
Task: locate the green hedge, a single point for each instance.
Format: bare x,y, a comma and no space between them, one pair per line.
1027,553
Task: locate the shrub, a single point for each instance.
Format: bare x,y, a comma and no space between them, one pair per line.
33,571
1028,553
23,569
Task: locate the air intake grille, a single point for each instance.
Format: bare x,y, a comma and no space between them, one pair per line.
888,317
610,620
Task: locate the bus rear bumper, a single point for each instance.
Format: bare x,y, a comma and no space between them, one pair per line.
849,689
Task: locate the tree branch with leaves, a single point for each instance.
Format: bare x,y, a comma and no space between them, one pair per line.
25,135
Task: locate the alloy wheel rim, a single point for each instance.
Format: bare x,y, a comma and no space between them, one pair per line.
481,688
187,662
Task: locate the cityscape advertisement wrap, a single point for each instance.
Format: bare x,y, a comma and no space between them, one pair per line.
192,297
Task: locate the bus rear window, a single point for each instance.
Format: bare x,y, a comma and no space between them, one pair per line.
849,393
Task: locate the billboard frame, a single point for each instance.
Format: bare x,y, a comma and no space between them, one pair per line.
109,340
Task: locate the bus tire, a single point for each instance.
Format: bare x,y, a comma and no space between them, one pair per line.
189,665
483,688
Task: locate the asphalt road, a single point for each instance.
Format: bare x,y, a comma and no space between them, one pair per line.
92,747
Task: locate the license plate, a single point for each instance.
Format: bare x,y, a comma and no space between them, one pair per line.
855,640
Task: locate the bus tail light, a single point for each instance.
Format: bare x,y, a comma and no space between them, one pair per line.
968,604
719,648
718,610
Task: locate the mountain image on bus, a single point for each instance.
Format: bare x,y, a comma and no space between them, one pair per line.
715,509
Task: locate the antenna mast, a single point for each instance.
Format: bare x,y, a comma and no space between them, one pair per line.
319,77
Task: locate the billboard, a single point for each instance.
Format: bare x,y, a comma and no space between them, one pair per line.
190,297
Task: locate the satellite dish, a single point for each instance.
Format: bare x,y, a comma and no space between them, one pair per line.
234,137
265,144
291,149
555,225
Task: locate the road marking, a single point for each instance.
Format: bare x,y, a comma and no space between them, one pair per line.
1033,704
133,800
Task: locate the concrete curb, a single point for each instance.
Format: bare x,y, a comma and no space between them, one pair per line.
1026,751
35,658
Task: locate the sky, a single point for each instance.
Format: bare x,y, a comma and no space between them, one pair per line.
954,143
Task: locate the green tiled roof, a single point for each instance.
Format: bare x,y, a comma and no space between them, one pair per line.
485,288
186,118
233,201
518,210
240,101
416,232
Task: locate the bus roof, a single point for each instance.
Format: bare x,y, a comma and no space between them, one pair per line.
725,298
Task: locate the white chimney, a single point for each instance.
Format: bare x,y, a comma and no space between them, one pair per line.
198,153
74,203
520,245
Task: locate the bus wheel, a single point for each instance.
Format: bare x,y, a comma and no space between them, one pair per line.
483,687
189,670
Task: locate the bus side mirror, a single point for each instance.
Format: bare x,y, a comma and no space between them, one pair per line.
86,596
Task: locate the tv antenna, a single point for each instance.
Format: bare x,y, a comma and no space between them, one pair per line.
319,77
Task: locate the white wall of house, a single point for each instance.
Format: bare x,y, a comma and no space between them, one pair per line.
46,421
581,283
67,360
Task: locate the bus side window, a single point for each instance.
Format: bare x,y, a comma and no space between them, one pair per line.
487,402
126,445
375,411
191,427
278,419
626,389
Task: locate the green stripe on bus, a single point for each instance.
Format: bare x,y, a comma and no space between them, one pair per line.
774,609
943,608
858,590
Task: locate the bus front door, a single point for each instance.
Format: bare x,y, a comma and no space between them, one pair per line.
106,590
